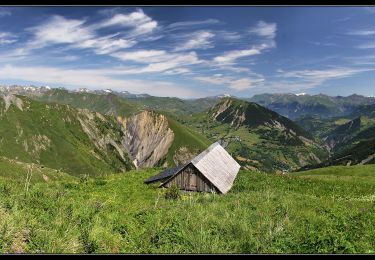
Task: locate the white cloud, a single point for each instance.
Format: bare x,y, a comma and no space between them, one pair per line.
299,80
231,56
188,24
196,40
106,44
138,20
362,32
235,84
323,75
228,36
216,80
263,29
60,30
157,60
93,79
241,84
177,71
4,12
368,45
180,60
7,38
70,58
143,56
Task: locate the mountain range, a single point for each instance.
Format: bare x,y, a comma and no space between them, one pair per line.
95,132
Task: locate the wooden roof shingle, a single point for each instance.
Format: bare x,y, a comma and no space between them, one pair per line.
164,174
216,164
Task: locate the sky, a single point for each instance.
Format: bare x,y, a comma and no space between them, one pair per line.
191,52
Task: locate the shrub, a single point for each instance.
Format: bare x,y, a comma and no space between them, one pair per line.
173,193
84,178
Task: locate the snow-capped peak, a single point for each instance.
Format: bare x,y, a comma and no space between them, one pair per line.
300,94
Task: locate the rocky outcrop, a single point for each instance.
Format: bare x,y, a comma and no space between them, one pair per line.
92,124
147,138
12,99
183,155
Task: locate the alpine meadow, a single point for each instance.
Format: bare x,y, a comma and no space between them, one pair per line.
187,130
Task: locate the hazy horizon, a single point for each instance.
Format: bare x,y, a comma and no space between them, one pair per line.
218,94
191,52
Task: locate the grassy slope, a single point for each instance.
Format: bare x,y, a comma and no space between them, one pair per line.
358,173
185,137
261,214
174,105
106,104
70,148
266,148
20,172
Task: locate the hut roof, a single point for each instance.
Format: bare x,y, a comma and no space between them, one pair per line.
165,174
216,164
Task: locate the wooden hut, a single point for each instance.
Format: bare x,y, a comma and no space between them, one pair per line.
213,170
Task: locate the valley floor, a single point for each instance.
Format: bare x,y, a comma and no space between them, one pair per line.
329,210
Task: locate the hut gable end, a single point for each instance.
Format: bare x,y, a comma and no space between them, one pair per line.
217,166
190,179
213,170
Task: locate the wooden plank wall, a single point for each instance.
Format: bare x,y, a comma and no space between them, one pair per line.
192,180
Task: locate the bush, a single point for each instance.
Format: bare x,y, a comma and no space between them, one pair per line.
84,178
173,193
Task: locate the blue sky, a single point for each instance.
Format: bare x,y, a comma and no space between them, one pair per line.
191,52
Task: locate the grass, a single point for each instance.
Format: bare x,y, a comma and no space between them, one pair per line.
51,135
185,137
304,212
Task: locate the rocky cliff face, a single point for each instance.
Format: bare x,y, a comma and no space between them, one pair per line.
147,137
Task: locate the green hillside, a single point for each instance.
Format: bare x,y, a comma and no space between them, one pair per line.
30,173
257,137
185,137
323,106
173,105
318,211
74,141
103,103
125,107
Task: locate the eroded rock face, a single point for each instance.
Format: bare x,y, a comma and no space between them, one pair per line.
90,123
183,155
147,137
12,99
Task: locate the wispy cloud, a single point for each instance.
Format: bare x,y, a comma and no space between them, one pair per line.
232,83
137,20
143,56
157,60
59,30
4,12
231,56
328,44
106,44
307,79
264,29
7,38
367,45
189,24
228,36
216,79
362,32
323,75
196,40
94,79
243,84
